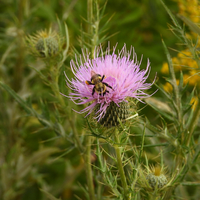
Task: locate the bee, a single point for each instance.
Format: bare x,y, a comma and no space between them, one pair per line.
99,85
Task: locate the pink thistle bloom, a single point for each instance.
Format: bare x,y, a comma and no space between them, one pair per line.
123,79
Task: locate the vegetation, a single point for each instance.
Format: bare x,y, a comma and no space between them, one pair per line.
48,150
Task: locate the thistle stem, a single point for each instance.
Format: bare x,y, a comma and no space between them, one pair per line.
120,165
88,168
175,89
76,135
176,92
89,18
193,122
89,139
55,87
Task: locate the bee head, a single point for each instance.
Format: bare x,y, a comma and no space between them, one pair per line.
99,76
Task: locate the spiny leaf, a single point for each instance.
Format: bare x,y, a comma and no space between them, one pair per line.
142,145
29,110
67,43
41,74
163,91
184,89
197,151
45,110
103,10
190,183
170,14
17,98
58,128
181,81
156,145
191,24
159,104
171,71
93,132
170,117
187,102
25,164
49,196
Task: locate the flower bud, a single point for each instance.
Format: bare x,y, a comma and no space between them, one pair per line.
114,114
45,44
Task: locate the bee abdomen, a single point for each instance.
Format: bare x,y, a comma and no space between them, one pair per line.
100,88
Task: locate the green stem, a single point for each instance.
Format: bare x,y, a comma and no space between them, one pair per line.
88,168
89,18
88,140
193,122
19,66
76,136
175,89
55,87
120,165
176,93
95,29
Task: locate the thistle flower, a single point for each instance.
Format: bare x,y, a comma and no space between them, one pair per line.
45,43
153,178
106,82
156,177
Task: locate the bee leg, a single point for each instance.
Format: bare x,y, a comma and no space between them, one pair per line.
93,91
108,85
89,83
105,92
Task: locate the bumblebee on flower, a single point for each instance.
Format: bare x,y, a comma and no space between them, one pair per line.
99,85
107,81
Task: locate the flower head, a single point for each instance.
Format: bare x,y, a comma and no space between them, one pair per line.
107,79
153,180
45,43
156,177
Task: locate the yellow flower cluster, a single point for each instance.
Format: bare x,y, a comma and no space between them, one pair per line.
184,60
190,8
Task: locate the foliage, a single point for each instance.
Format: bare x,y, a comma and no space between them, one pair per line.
48,151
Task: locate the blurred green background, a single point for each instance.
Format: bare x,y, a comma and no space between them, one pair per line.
31,156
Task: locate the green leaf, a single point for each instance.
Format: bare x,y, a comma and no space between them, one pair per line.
190,184
29,110
48,195
163,91
170,14
103,10
171,69
67,42
197,151
181,81
156,145
171,118
187,105
159,104
184,89
17,98
93,132
191,24
142,146
45,110
40,73
58,128
25,163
